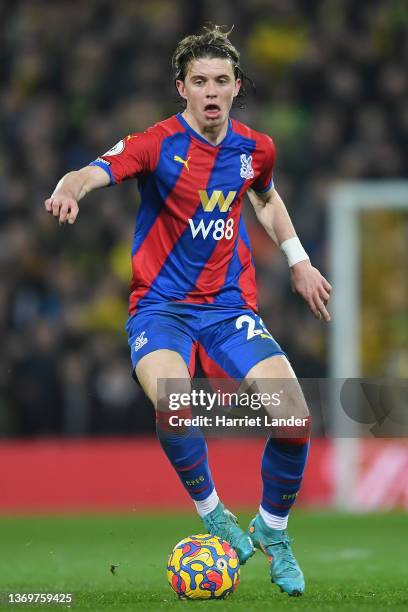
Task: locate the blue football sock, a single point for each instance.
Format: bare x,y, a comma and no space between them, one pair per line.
283,463
186,450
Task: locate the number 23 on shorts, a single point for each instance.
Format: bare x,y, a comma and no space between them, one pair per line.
254,328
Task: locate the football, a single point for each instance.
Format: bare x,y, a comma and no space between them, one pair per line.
203,567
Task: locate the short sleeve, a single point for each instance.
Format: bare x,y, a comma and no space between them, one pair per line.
264,181
134,155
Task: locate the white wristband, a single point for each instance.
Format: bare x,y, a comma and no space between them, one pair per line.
294,251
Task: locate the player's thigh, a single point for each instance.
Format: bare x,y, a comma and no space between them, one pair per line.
274,375
162,372
276,366
161,341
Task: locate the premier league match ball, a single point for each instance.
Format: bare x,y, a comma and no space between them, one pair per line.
203,567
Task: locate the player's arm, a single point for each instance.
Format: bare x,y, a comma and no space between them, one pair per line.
306,280
63,203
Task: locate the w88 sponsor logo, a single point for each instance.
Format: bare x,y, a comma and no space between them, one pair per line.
217,229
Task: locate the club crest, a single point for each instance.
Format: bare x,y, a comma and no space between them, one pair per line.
247,172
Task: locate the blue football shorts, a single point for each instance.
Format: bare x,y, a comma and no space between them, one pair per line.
227,341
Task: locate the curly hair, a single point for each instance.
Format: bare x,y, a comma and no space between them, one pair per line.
211,42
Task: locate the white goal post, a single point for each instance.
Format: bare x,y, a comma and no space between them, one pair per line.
346,202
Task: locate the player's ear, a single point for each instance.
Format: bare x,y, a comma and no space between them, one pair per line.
238,84
181,88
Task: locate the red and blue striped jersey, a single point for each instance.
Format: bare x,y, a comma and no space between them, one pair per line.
190,243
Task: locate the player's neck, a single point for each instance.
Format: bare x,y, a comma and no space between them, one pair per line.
214,135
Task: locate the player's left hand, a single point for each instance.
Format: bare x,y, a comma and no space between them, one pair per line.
313,287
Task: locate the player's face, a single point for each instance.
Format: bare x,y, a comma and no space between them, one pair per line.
209,89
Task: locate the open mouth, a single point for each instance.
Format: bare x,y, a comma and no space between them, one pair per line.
212,110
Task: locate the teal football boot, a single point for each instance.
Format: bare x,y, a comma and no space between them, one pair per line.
275,543
222,523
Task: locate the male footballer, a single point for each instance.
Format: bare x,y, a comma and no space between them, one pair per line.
193,291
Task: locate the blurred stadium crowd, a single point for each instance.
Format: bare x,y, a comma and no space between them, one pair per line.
331,89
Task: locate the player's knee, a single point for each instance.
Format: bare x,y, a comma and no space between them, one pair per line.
173,410
168,422
293,431
173,394
300,408
292,400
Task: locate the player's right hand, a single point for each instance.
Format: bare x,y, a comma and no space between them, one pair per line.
63,207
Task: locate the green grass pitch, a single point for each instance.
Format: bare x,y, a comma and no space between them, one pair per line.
350,562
